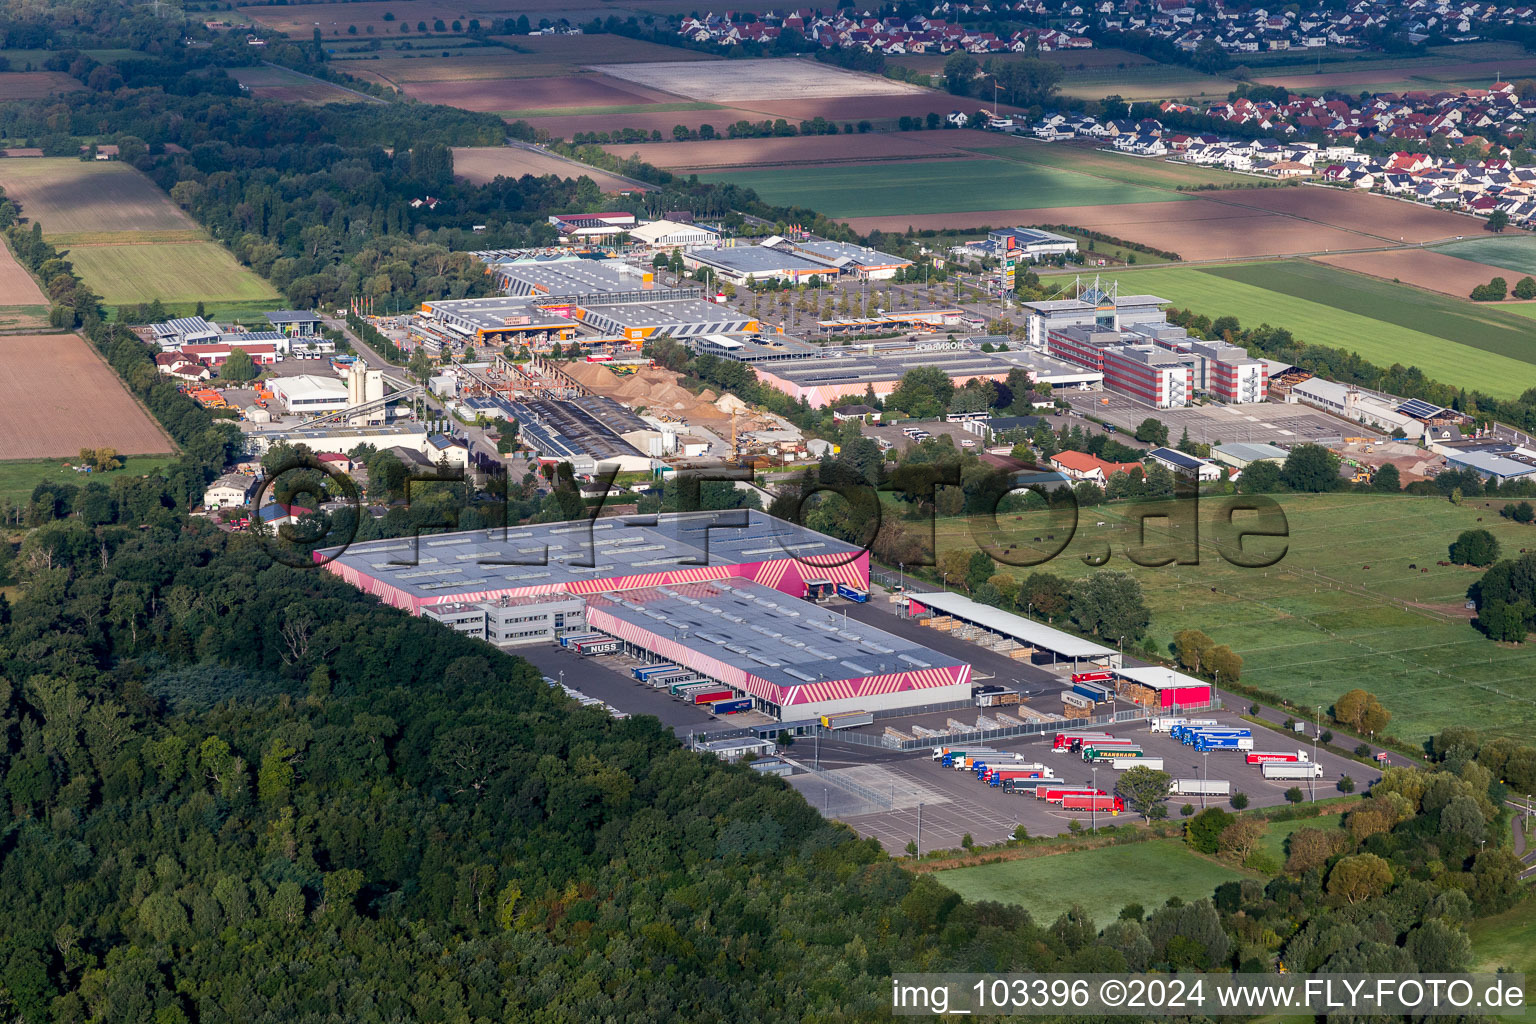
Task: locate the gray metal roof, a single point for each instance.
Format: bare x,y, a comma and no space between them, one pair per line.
291,316
1250,452
756,259
1027,631
785,640
450,564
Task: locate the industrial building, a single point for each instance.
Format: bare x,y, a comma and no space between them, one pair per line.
1031,243
1492,460
1353,403
1092,308
307,393
586,227
1150,373
796,659
1241,456
718,593
839,373
780,258
341,440
667,234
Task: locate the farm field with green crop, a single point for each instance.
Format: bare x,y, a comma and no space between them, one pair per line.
1100,881
1086,159
1451,340
1358,586
1515,253
178,272
937,186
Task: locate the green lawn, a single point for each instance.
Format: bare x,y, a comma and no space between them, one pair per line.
1319,622
1101,881
1515,253
178,272
18,477
1508,940
1278,832
936,186
1451,340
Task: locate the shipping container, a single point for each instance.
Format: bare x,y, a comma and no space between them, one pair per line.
607,645
1292,770
1266,756
1200,787
667,680
731,707
855,594
847,719
644,672
710,696
679,689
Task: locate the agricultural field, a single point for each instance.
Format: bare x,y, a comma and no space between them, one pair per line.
480,164
34,85
1514,253
57,396
812,150
279,83
1343,595
906,191
1089,159
1422,268
516,57
126,238
25,305
544,97
1453,340
1100,881
19,477
758,81
73,198
175,272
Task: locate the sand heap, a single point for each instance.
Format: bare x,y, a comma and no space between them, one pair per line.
656,390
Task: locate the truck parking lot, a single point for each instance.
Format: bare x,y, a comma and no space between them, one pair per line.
956,803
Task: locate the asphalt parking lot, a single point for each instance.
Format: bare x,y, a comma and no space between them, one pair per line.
608,681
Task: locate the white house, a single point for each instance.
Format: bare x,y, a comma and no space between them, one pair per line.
229,491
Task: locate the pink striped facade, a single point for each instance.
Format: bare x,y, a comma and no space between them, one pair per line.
600,618
787,575
819,396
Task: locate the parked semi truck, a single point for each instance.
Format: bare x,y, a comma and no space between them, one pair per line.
713,695
1266,756
1111,754
858,595
1065,740
1292,770
847,719
1096,692
574,638
947,755
998,776
1121,764
1028,787
1200,787
987,771
1206,744
1053,794
604,645
1099,747
1090,802
731,707
1167,724
645,672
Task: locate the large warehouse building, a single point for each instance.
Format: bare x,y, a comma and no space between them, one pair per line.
718,593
